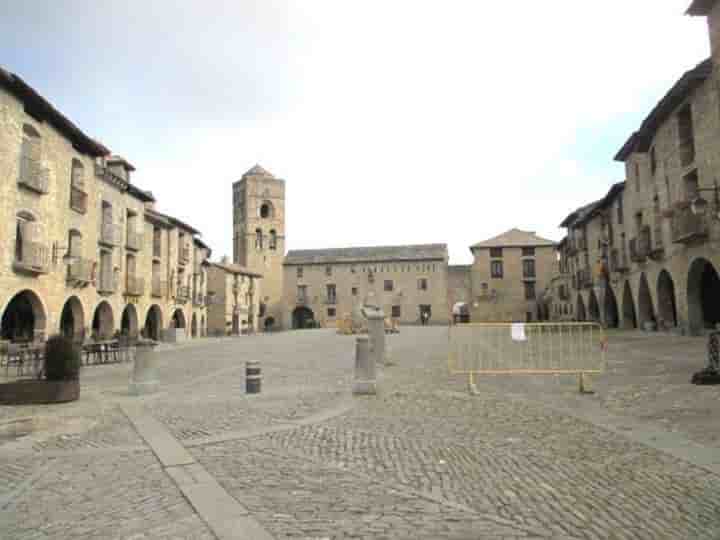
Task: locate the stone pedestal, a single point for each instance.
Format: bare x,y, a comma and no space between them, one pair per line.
365,380
376,332
144,376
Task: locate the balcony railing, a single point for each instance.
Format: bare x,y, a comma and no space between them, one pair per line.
107,284
182,295
198,299
33,176
134,286
618,261
159,288
331,300
638,250
80,271
32,257
183,254
134,240
688,227
78,200
110,234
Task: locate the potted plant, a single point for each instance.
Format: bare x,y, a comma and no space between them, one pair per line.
62,369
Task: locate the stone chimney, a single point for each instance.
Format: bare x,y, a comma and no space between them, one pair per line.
120,167
711,10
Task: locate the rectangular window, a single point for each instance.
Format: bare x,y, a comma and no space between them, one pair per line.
328,270
371,277
302,294
388,285
354,291
422,284
496,269
620,211
299,271
331,312
528,268
396,312
331,294
528,252
529,290
496,252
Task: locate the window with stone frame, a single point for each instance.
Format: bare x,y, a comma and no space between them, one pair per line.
496,252
299,272
354,291
422,284
328,270
331,312
272,241
529,290
496,269
388,285
396,312
528,252
528,268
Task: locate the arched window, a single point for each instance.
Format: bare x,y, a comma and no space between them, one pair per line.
266,210
273,240
32,174
258,239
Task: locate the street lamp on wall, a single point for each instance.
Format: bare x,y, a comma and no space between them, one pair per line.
66,259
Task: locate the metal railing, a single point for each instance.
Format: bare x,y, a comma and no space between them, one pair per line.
78,199
32,257
110,234
134,240
526,348
687,227
33,176
183,294
80,270
134,286
159,288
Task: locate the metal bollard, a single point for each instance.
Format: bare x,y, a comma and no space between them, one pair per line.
364,367
253,377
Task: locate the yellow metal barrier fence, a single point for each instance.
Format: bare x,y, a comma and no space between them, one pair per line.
530,349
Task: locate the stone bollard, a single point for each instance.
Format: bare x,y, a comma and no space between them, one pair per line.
376,331
364,368
144,376
253,377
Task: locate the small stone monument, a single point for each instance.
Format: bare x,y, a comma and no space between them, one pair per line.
376,331
365,382
144,376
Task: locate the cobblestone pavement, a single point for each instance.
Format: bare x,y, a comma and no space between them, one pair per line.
423,459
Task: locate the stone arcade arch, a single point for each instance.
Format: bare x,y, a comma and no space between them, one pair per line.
153,323
178,318
667,309
203,328
628,306
646,312
301,317
593,307
580,311
194,326
129,323
612,317
24,318
72,320
703,296
103,323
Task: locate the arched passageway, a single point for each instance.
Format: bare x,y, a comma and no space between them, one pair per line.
302,317
194,326
129,323
203,328
580,311
178,319
646,312
703,296
628,306
593,307
103,324
153,323
612,317
667,310
24,318
72,320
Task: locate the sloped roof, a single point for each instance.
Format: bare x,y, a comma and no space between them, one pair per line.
584,213
641,140
422,252
514,238
580,213
236,269
257,170
700,7
171,220
39,107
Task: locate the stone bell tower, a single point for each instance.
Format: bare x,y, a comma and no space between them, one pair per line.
259,236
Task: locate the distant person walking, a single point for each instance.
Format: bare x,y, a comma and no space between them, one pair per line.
423,318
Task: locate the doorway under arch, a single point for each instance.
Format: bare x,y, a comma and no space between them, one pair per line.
612,317
703,294
269,323
302,317
580,311
646,312
24,318
194,326
72,320
178,319
153,323
593,307
628,306
667,310
129,323
103,324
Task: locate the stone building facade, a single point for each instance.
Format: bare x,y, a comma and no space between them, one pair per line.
322,285
459,293
234,301
259,236
508,274
78,253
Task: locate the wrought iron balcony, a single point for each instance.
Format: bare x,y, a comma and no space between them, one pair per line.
110,234
159,288
78,199
80,271
183,294
107,284
688,227
134,240
134,286
33,176
32,257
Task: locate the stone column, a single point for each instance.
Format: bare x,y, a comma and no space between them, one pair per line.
376,331
144,376
365,381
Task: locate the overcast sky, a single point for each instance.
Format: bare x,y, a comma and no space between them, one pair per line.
392,122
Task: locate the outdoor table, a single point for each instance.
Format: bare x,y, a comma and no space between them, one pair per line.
101,351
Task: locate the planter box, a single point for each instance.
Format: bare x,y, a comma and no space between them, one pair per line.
29,392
